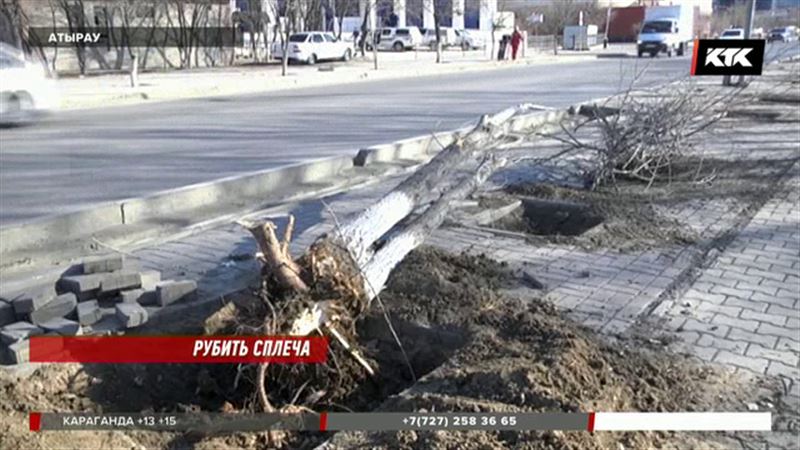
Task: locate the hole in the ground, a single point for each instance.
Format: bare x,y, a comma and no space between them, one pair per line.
548,218
426,349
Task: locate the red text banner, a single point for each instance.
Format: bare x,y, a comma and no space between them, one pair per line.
179,349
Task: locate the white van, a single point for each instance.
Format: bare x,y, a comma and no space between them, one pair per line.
398,39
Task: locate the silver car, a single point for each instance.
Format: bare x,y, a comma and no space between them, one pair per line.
25,89
398,39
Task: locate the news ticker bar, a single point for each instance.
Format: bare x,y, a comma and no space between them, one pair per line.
381,421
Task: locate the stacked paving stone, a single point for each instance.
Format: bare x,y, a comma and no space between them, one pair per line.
103,295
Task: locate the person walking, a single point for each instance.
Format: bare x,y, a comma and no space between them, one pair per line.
516,39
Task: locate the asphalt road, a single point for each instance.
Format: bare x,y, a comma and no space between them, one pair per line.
79,158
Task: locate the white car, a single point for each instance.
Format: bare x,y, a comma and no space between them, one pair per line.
469,40
448,35
313,46
398,39
732,33
25,89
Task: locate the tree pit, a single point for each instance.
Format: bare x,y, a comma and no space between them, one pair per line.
550,218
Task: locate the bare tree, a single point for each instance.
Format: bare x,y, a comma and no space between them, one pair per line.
312,14
14,22
369,38
256,21
733,16
342,9
438,10
74,14
558,14
289,19
183,21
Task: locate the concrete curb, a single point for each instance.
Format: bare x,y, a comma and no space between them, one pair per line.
425,145
238,189
64,228
411,148
69,230
614,55
74,232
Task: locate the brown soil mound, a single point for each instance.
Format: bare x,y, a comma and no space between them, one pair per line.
475,350
525,356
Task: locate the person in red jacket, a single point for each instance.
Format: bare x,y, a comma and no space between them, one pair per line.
516,39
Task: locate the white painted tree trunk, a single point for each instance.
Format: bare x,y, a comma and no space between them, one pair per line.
376,271
374,222
359,234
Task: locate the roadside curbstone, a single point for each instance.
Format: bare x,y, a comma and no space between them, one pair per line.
19,352
109,324
18,331
32,300
131,315
150,278
62,326
89,312
104,263
56,232
414,148
131,296
171,291
84,287
231,190
59,307
7,314
419,147
116,281
141,296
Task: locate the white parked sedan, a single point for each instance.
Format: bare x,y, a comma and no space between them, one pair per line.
25,89
732,33
313,46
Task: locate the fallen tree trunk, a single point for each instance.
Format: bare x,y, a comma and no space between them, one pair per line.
375,221
377,270
333,284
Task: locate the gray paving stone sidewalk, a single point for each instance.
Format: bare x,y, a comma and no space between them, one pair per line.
744,310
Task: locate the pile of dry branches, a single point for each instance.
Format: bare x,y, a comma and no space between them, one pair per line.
642,134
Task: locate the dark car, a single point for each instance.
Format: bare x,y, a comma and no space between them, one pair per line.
781,34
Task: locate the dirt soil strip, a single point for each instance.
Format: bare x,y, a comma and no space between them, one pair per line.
501,353
526,356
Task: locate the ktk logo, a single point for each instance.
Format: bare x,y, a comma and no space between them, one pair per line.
733,57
